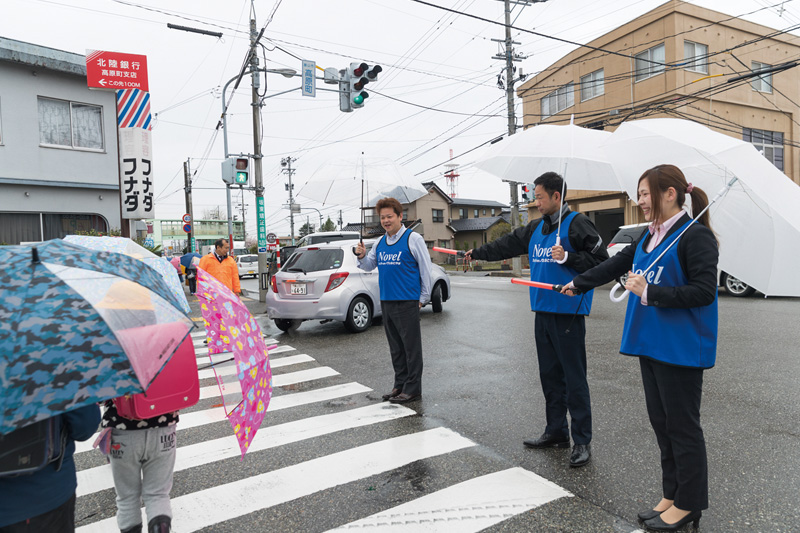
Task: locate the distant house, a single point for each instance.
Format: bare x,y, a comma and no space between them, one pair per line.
442,221
59,170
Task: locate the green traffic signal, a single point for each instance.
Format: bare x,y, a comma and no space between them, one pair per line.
241,178
358,99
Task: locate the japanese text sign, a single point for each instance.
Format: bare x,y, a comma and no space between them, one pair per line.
114,70
309,78
136,177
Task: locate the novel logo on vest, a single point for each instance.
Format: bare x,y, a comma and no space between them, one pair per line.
653,277
385,258
542,254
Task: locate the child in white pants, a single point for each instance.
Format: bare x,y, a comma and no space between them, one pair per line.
142,459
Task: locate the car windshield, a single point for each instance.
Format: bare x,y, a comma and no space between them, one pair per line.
628,235
248,259
314,260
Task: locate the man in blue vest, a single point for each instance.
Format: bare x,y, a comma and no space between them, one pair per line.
559,326
404,277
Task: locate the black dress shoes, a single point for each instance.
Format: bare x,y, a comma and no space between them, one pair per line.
394,392
405,398
648,515
547,441
656,524
581,453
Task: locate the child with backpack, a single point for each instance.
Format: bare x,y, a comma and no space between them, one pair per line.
142,456
44,500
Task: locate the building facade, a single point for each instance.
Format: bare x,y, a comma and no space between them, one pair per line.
59,170
674,61
169,234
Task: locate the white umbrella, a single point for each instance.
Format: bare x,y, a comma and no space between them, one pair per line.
346,181
756,224
571,150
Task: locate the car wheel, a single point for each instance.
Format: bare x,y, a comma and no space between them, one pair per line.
436,299
736,287
359,315
285,324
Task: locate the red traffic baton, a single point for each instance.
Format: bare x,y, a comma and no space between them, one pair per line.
540,285
459,253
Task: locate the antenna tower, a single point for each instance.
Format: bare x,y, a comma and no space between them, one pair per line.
452,176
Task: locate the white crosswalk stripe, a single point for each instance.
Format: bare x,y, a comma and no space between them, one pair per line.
333,411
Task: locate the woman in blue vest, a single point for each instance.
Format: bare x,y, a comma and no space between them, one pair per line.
671,326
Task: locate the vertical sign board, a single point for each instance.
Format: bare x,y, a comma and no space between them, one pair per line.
127,75
261,223
309,78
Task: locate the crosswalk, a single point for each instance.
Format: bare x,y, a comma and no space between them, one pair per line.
323,440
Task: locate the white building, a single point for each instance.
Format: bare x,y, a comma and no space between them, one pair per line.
59,170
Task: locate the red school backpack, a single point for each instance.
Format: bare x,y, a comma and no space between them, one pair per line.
176,387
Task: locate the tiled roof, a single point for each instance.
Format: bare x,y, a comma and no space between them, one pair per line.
482,203
474,224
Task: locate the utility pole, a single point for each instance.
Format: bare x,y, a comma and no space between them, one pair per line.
187,180
340,219
261,223
286,163
509,57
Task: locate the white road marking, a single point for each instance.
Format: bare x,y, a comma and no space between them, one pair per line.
466,507
211,506
292,378
273,363
96,479
286,401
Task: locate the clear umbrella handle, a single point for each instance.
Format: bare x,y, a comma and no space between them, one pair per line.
613,293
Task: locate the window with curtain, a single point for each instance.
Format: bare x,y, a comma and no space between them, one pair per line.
649,63
763,83
592,85
462,213
438,215
444,243
70,124
558,100
698,55
476,213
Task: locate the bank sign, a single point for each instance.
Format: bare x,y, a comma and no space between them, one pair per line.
114,70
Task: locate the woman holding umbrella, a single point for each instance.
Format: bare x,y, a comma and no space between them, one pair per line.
671,326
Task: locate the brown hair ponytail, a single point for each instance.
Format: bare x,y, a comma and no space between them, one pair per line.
662,177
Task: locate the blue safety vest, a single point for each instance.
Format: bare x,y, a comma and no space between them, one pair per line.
681,337
398,270
545,269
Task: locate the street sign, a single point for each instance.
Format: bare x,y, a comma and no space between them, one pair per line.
148,242
261,223
186,218
262,250
114,70
271,238
309,78
187,228
193,245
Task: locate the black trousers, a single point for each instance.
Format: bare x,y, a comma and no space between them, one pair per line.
59,520
401,323
673,404
562,371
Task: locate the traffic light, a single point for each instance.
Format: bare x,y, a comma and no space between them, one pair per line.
358,76
236,170
527,192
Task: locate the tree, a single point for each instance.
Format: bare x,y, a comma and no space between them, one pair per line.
329,225
306,228
499,230
213,213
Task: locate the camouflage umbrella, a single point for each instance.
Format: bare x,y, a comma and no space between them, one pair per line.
78,327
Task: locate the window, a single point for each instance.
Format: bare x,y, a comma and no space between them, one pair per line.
762,83
769,143
698,55
462,213
405,215
475,213
1,124
558,100
429,244
438,215
444,243
484,212
493,211
70,124
592,85
650,62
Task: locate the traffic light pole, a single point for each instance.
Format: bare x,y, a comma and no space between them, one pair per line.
287,162
261,223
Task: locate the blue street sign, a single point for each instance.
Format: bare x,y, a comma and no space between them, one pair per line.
309,78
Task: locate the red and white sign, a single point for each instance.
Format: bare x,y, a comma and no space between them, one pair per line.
114,70
186,218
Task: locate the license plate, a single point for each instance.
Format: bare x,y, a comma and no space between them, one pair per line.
251,271
297,288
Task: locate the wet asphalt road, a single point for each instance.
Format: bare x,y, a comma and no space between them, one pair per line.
481,380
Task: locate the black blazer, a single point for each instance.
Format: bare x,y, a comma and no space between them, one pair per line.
698,253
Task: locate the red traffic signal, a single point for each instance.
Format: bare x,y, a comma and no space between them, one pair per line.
361,69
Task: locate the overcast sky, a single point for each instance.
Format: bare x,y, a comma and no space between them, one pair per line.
430,59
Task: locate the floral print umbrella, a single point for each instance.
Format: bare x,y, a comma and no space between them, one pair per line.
234,337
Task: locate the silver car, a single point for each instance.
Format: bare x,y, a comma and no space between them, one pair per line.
323,282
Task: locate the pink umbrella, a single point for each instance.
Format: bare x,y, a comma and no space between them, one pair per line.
232,330
176,262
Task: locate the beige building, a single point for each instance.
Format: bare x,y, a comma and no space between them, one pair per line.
674,62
